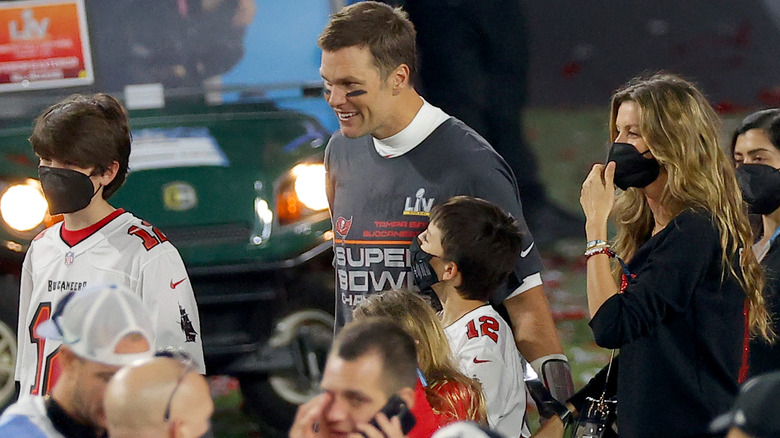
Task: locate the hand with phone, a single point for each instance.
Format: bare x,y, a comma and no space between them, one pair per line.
394,420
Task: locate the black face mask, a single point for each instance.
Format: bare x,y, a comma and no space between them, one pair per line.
632,168
66,190
760,186
424,275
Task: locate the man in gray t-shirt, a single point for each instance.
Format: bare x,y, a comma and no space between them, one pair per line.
393,159
380,204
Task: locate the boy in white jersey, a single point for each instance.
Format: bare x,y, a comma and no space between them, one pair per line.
83,143
468,251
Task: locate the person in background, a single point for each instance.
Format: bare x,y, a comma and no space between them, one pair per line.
754,414
177,43
161,397
474,64
684,305
101,329
755,148
452,395
394,158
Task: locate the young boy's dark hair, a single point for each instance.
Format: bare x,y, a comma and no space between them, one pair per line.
482,239
88,132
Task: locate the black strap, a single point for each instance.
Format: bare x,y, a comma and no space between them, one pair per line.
545,402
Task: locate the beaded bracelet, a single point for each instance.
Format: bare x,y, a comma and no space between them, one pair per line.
599,250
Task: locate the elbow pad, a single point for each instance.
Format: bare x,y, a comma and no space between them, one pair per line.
555,373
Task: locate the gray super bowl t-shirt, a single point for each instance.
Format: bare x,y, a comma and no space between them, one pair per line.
379,204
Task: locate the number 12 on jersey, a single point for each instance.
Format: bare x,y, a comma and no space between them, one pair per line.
488,326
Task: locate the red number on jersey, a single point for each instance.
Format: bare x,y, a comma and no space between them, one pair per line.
488,327
471,330
49,367
159,234
150,240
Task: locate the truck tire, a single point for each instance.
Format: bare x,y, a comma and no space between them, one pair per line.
9,297
274,398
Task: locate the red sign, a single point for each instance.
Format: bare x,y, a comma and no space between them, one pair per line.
44,44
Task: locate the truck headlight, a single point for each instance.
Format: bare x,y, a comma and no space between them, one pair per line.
302,191
23,206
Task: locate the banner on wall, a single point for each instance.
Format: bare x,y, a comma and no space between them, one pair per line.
44,44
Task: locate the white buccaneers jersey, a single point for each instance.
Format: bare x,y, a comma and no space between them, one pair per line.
126,251
484,347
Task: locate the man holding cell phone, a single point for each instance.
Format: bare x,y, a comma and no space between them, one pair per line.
368,385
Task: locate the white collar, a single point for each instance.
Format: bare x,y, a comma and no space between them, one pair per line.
427,119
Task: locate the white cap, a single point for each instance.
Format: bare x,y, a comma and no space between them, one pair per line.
465,429
93,321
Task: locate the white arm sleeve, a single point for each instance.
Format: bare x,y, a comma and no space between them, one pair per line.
532,280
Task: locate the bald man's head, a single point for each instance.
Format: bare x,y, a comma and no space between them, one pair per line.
137,398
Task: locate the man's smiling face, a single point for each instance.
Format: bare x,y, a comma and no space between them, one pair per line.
354,88
357,391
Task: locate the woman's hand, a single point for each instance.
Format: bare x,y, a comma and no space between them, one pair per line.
597,198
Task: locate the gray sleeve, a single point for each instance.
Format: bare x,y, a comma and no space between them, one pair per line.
496,184
328,173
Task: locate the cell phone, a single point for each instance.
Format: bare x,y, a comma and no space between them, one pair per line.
396,407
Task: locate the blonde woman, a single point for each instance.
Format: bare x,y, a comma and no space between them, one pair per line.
452,395
690,295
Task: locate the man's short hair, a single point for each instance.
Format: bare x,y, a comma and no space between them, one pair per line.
388,33
85,131
482,239
385,338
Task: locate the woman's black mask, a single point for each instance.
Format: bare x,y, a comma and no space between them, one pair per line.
632,168
760,186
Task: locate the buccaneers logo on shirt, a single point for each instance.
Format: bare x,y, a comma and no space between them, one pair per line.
342,226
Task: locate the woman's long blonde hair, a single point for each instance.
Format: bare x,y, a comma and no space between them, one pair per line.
682,132
434,356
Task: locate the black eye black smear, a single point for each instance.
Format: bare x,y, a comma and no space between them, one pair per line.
356,93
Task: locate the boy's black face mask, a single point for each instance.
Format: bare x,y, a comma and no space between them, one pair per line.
760,186
632,168
424,275
66,190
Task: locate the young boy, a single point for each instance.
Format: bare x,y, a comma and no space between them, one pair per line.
83,143
466,253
